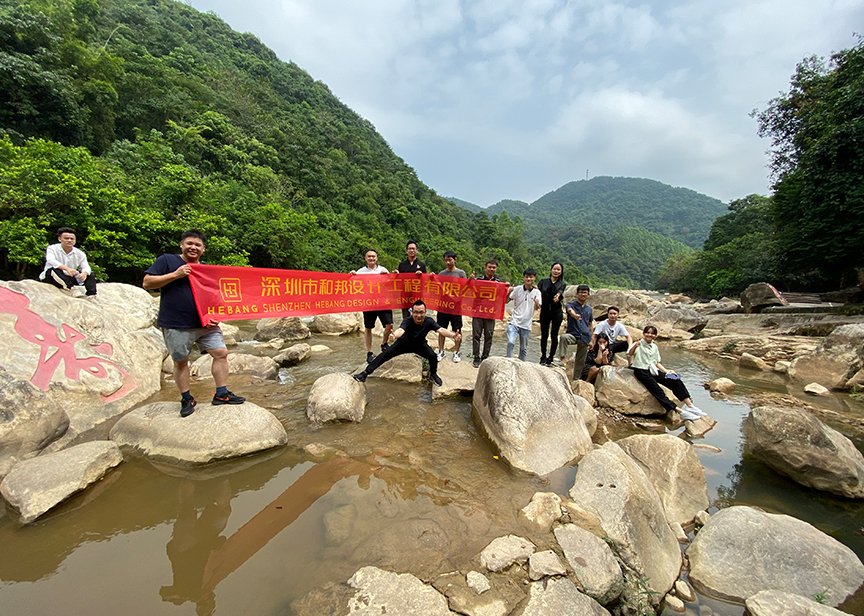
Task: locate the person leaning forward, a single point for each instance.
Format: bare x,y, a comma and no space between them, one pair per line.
66,267
411,265
181,325
369,316
579,317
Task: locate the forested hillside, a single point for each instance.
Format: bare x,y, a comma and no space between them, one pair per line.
132,120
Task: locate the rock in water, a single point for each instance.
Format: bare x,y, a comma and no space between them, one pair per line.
336,396
287,328
835,362
530,414
34,486
504,551
674,469
742,551
456,379
611,486
592,562
384,592
559,596
261,366
210,433
293,354
336,324
617,388
774,602
722,385
798,445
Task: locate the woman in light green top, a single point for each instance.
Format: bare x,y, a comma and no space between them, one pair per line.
644,358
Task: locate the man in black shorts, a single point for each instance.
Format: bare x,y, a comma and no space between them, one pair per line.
369,317
411,265
181,325
453,320
410,337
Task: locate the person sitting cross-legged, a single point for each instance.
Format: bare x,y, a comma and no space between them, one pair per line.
410,337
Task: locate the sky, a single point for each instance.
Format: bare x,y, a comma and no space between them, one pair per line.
511,99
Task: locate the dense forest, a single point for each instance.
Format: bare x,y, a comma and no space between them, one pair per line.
132,120
808,235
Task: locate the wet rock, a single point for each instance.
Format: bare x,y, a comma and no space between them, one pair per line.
261,366
560,596
593,563
287,328
35,486
504,551
684,592
611,486
797,444
293,355
815,389
327,600
336,324
702,518
211,433
674,603
742,551
668,319
275,343
415,544
835,361
617,388
776,602
544,564
530,414
320,349
336,396
477,581
384,592
407,368
339,524
673,468
543,511
721,385
697,428
584,389
473,595
759,296
751,362
456,379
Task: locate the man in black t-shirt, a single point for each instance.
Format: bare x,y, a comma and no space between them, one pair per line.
410,337
181,325
411,265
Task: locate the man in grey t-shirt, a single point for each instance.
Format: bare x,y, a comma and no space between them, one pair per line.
453,320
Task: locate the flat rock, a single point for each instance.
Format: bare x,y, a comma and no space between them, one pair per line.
336,397
800,446
721,385
837,359
320,349
674,469
293,355
815,389
618,389
593,563
777,603
34,486
504,551
384,592
544,564
697,428
530,414
211,433
287,328
543,511
742,551
336,324
559,596
456,379
261,366
474,595
407,368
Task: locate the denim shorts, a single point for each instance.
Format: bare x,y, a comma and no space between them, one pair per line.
180,341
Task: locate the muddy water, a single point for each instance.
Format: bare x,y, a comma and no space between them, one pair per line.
412,488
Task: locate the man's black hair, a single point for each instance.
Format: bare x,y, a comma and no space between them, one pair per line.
492,261
193,233
583,287
409,242
419,302
449,253
368,250
63,230
530,272
615,308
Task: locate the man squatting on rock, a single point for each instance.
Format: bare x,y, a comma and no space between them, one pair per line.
369,316
181,325
66,267
410,337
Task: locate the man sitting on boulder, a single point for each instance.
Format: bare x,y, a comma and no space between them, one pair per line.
66,267
410,337
613,330
181,325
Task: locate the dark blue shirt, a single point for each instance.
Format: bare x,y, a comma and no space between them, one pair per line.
580,329
177,308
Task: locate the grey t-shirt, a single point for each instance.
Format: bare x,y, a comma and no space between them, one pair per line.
456,273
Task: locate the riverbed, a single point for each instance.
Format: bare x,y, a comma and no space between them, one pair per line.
413,488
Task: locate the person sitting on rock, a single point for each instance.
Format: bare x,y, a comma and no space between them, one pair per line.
644,356
613,330
66,267
410,337
599,355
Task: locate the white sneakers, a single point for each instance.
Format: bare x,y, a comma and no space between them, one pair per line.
456,357
440,355
691,412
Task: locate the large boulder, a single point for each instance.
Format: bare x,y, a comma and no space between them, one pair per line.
770,349
34,486
593,563
617,388
407,367
94,358
211,433
611,486
674,469
668,319
797,444
336,324
836,360
334,397
631,306
287,328
759,296
776,602
384,592
741,551
260,365
530,414
293,355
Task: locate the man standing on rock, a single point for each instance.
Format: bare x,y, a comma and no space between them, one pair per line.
483,328
66,267
369,317
181,325
410,337
411,265
453,320
579,317
526,299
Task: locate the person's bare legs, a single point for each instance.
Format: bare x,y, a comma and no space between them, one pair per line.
367,333
220,366
181,375
386,338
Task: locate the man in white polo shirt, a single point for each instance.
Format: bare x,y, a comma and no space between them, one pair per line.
526,299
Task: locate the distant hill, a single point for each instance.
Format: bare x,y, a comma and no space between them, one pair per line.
466,205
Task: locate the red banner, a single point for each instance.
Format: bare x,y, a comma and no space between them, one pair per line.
224,293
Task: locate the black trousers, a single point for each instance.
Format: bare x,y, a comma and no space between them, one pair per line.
550,321
652,383
68,281
400,347
482,329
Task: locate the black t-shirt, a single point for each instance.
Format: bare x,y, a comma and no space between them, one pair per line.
177,308
410,268
548,290
416,334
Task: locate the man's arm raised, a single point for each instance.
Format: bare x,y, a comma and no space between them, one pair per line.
152,282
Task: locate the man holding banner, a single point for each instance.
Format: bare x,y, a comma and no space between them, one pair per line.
181,324
369,317
410,337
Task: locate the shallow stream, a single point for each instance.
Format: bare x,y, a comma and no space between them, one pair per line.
414,489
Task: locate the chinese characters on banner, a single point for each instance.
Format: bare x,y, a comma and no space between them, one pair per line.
224,293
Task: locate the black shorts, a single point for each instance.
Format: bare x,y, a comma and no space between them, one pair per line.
453,320
386,317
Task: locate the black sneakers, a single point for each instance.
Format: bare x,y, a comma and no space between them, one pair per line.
369,356
476,362
187,407
436,379
360,377
384,347
228,398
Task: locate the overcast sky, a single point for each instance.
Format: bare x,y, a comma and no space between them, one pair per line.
507,99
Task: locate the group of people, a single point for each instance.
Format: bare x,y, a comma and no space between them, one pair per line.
67,268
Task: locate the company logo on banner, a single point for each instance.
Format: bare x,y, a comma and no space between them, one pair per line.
225,293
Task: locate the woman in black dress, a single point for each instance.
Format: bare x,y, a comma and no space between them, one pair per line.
551,313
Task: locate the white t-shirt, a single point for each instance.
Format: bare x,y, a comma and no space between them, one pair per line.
603,327
523,306
378,270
